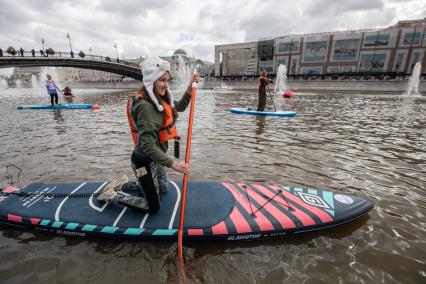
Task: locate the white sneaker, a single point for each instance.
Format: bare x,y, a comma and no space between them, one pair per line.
110,191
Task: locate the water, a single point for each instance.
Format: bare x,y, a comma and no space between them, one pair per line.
35,83
414,80
3,84
281,80
368,145
5,74
18,84
223,87
182,74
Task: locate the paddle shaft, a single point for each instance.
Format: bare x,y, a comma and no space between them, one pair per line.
270,95
186,175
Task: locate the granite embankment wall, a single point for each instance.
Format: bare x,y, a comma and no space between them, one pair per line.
302,86
317,86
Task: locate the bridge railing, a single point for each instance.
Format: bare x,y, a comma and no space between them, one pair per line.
71,55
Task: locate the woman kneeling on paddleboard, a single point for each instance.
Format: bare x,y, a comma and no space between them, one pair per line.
152,115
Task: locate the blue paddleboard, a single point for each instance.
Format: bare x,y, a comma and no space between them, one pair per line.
265,113
61,106
214,211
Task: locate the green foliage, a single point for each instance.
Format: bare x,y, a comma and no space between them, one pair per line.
11,50
50,51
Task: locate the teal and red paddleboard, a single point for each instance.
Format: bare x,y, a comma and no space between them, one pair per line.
264,113
61,106
214,211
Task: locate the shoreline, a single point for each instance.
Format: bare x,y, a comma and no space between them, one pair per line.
300,86
306,86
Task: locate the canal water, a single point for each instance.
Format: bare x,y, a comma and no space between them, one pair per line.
367,145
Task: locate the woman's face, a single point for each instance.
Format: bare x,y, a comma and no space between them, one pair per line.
161,85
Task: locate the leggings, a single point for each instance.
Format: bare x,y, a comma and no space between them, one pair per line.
53,98
152,180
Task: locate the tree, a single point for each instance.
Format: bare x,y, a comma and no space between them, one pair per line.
11,50
108,59
82,54
50,51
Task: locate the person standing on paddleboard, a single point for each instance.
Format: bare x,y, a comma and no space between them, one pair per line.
263,81
51,90
152,115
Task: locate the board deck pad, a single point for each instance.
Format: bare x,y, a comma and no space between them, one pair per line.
263,113
214,211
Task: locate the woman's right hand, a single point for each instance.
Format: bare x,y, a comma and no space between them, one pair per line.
181,167
195,78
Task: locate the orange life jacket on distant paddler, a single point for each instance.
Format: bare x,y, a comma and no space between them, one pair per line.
168,128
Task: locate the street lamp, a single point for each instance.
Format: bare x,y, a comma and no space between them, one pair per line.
69,40
116,50
289,57
410,53
42,44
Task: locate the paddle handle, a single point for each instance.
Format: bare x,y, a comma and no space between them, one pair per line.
186,175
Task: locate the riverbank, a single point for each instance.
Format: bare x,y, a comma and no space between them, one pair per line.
301,86
320,86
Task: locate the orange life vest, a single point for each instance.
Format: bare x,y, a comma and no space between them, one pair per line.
168,128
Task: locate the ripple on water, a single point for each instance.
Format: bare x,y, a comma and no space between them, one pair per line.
367,145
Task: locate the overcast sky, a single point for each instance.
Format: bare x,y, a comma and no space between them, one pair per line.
142,28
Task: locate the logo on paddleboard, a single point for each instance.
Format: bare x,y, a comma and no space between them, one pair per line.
343,199
313,200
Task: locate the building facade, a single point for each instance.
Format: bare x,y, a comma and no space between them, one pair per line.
181,62
395,49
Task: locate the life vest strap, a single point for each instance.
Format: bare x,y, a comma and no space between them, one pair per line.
168,126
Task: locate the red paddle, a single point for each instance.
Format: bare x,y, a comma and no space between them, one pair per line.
185,176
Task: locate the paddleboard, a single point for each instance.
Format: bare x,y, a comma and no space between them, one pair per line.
265,113
214,211
61,106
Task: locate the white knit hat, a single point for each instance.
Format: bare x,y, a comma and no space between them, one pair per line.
152,69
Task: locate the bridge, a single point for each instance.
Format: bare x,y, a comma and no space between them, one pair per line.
64,59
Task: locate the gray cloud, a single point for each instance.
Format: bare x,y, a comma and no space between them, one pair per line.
336,8
141,28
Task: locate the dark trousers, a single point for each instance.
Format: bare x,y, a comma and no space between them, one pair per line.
145,171
53,99
262,99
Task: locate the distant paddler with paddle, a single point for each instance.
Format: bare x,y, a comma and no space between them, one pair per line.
152,115
263,82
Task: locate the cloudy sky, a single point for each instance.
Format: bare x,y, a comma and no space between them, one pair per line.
142,28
